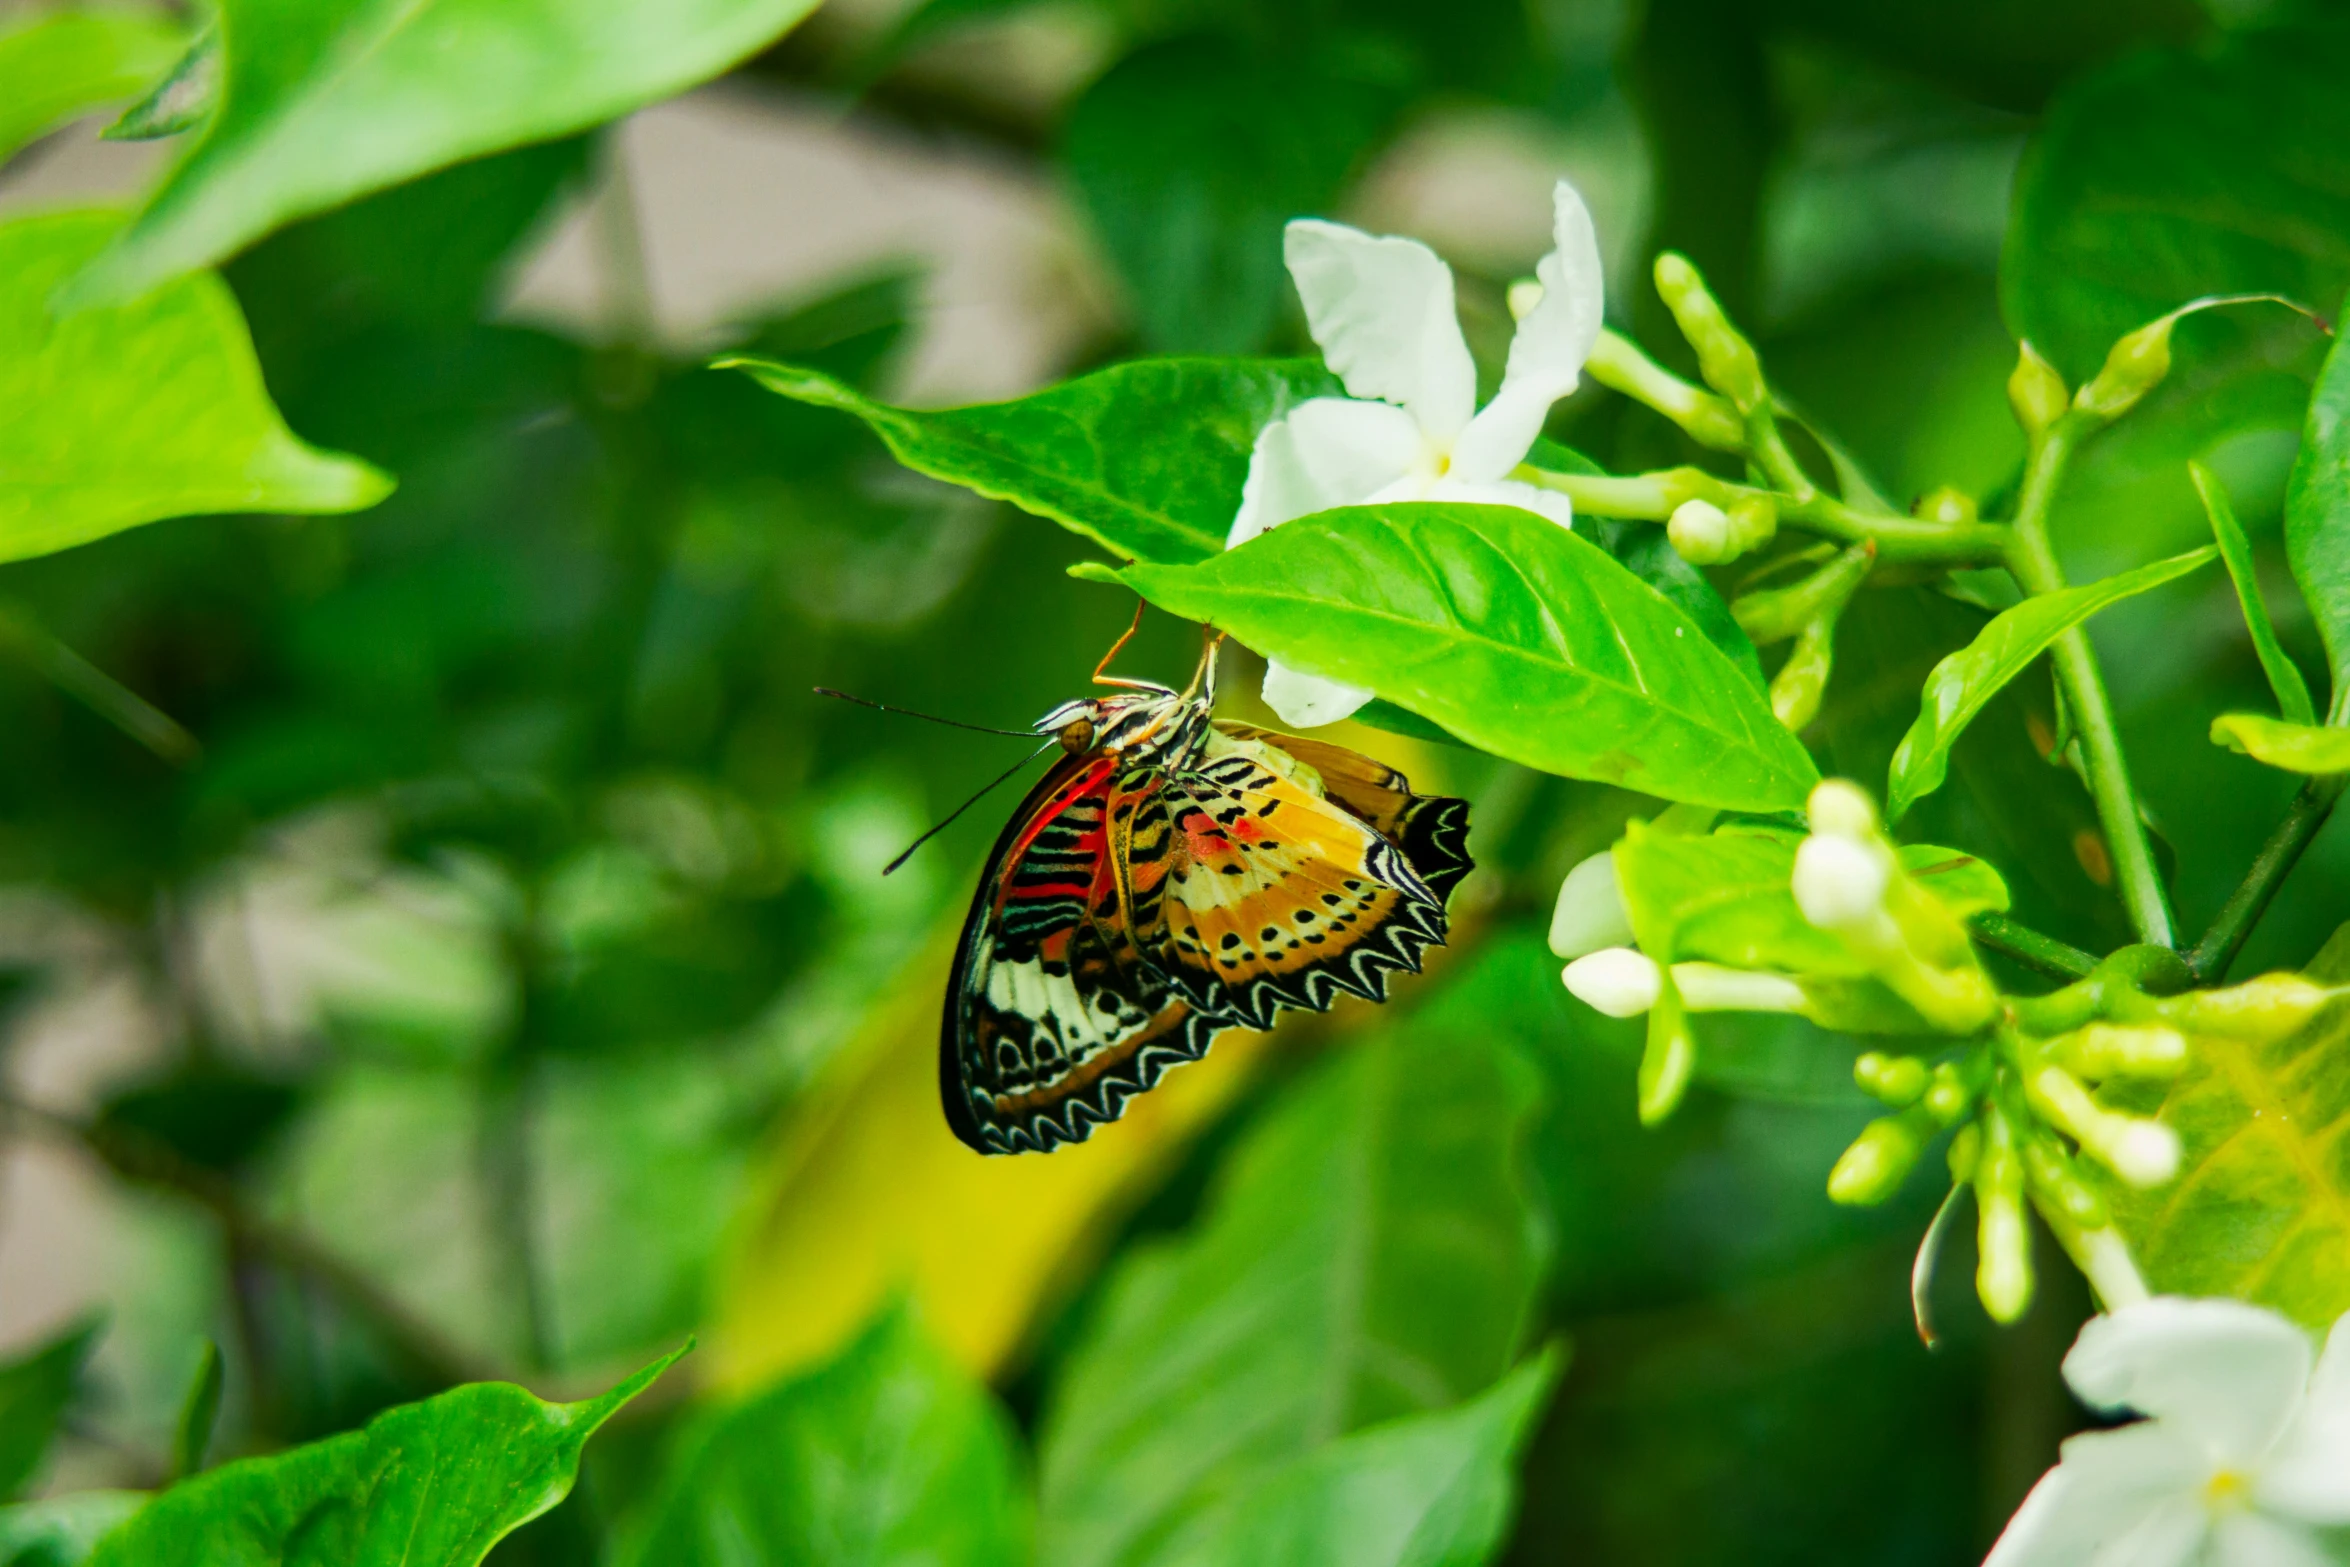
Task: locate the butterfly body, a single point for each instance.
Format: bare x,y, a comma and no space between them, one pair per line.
1170,877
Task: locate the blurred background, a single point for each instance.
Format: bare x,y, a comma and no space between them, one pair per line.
477,962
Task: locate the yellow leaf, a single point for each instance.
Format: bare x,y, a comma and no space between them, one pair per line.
870,1195
2296,748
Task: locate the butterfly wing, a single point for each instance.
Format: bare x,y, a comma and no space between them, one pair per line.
1053,1017
1270,893
1431,829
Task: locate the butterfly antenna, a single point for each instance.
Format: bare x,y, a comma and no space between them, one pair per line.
984,792
951,723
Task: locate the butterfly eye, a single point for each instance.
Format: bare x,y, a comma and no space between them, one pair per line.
1077,736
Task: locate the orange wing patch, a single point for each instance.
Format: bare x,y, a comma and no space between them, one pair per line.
1432,830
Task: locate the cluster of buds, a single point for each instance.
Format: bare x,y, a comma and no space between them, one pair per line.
1705,534
1873,946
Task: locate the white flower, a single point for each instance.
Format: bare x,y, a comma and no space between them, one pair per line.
1409,428
1622,982
2242,1457
1615,980
1590,912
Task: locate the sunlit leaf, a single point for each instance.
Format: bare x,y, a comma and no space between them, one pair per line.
1146,458
55,65
1427,1490
2317,519
1960,685
2296,748
434,1484
892,1453
871,1195
34,1390
125,415
1371,1251
2177,174
1509,632
2260,1208
320,103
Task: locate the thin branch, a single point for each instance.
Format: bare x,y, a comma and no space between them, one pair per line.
2028,946
2211,956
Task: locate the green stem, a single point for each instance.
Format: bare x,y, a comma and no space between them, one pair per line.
2210,959
1652,497
2027,945
2033,561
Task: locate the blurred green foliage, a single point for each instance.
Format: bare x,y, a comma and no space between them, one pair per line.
535,736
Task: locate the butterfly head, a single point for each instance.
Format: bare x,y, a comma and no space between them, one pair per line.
1145,719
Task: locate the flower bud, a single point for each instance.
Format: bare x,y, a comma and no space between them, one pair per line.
1524,295
1880,1159
1843,808
1802,682
1897,1080
1947,1096
2003,1238
1700,533
1945,504
1966,1151
2135,366
1725,358
2258,1011
1590,912
2058,1186
1709,987
2035,391
1754,522
2102,1050
1616,980
1839,881
1667,1064
2143,1153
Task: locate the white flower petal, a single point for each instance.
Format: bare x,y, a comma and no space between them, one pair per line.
1590,911
1306,701
2169,1535
2249,1540
1546,356
1332,451
2308,1476
1507,492
2219,1373
1382,309
2113,1486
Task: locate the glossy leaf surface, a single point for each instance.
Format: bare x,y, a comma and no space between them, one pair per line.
1510,632
1146,458
55,65
322,102
2260,1208
2317,520
1371,1251
129,414
1959,685
890,1454
2292,692
434,1484
2295,748
1430,1491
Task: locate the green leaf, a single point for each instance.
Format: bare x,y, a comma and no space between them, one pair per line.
2260,1208
1428,1491
1372,1252
2317,520
890,1454
197,1415
1189,188
1510,632
1146,458
2296,748
1643,550
62,1531
34,1391
2291,691
1960,684
122,416
2178,174
55,65
181,100
434,1484
322,102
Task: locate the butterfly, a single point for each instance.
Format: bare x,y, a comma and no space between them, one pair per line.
1172,876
